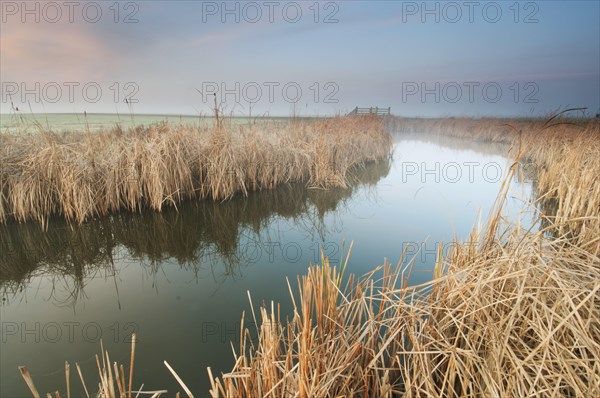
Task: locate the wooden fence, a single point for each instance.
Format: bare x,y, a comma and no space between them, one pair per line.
371,111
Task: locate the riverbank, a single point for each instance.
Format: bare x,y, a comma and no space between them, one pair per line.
510,311
83,175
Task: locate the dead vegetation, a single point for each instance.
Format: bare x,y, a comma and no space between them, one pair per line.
83,175
510,312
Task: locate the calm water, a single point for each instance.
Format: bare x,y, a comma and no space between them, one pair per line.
180,278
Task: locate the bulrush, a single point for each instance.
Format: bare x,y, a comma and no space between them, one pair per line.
510,312
79,175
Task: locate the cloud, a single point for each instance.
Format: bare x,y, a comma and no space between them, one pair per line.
56,52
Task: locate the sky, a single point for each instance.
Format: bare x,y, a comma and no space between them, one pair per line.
274,58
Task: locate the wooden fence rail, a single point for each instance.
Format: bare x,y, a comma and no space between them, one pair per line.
371,111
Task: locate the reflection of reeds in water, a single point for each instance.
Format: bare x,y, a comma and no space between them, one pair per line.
561,156
509,313
195,233
79,176
69,256
448,141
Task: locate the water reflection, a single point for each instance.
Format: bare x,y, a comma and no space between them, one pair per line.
182,277
195,234
527,168
450,142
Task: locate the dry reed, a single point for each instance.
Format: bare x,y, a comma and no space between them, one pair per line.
566,155
512,320
80,175
203,236
510,312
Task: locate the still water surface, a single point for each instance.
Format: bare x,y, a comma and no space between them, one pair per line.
180,279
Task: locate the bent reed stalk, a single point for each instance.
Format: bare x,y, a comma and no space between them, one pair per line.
565,155
79,176
509,313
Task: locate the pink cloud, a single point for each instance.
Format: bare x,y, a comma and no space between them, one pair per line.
62,51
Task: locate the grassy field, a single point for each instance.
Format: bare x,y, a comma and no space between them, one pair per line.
83,175
32,123
510,312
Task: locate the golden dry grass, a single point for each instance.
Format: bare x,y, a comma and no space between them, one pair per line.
199,235
566,155
510,312
515,319
79,175
568,184
512,321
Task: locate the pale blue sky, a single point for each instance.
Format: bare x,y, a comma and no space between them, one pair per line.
536,58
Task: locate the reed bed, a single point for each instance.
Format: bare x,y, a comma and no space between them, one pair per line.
496,129
565,155
199,235
83,175
568,184
515,320
509,313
